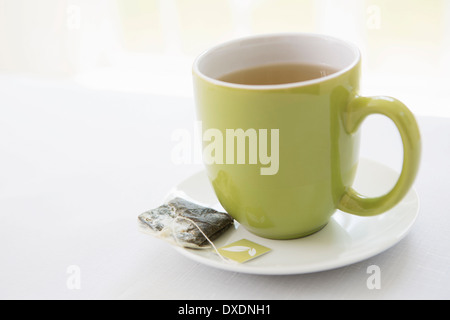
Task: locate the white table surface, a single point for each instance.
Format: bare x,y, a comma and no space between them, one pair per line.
78,166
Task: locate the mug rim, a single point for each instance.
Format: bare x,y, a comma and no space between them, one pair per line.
353,47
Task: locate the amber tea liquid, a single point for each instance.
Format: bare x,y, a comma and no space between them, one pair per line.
278,74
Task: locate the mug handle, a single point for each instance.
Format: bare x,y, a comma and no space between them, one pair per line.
358,109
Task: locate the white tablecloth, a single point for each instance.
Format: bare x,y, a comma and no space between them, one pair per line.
77,167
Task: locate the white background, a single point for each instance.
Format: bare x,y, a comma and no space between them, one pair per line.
147,46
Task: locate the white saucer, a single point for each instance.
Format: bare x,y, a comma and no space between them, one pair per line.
347,239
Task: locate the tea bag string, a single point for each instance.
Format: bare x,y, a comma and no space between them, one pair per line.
201,231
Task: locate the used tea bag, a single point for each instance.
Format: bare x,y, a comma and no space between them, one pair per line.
185,223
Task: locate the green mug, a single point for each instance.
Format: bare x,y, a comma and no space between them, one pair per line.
282,158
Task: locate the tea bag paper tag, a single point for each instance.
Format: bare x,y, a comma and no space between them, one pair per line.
243,250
